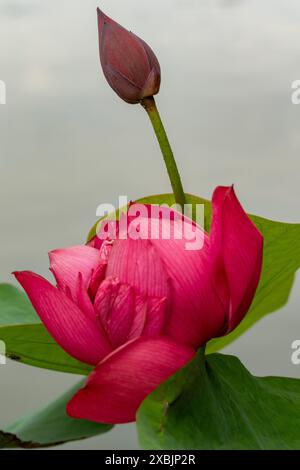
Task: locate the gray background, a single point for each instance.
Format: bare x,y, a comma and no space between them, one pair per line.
68,143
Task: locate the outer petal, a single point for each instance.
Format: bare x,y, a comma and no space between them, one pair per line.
122,50
76,333
121,85
197,314
120,383
66,264
152,85
237,250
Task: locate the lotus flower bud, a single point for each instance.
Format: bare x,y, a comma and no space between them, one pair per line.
129,65
138,309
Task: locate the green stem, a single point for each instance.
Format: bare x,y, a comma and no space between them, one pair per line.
150,106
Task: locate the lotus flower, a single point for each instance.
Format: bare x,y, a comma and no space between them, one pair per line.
129,64
138,309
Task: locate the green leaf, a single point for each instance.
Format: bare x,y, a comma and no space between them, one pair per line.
32,345
15,307
27,340
215,403
281,261
9,441
50,426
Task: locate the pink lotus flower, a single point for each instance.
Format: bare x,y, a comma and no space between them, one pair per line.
138,309
129,64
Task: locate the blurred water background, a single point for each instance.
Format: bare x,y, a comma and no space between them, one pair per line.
67,143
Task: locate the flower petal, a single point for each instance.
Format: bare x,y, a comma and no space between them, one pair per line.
137,263
156,316
76,332
98,274
122,51
83,300
237,249
120,383
114,304
140,317
66,264
197,314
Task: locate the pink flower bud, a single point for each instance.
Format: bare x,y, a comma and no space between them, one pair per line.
129,64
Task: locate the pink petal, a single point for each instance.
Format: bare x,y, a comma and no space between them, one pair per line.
99,274
160,265
122,51
83,300
95,242
121,85
137,263
67,263
78,334
152,59
197,314
114,304
120,383
237,249
156,316
140,317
